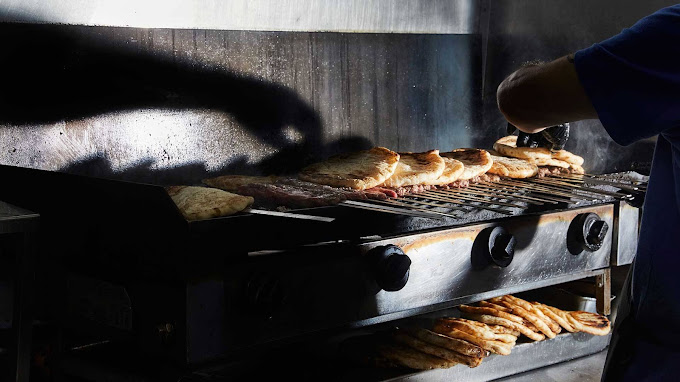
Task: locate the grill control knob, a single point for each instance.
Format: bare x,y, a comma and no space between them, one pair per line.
493,246
586,233
390,267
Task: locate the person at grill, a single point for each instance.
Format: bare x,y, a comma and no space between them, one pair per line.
631,82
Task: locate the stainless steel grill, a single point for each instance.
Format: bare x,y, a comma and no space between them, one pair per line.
510,196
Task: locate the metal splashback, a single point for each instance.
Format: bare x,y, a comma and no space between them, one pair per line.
280,85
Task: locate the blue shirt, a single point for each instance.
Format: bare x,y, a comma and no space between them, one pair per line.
633,81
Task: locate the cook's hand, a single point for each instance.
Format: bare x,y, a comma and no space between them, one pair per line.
553,138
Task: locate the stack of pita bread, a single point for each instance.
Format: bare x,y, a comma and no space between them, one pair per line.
539,156
491,326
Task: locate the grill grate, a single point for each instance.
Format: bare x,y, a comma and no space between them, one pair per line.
510,196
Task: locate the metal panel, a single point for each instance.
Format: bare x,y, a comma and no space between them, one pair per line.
281,296
626,238
404,16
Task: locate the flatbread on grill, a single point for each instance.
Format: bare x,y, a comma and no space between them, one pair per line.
476,162
231,183
531,317
452,171
357,170
588,322
512,167
576,169
549,162
508,147
459,346
198,203
417,168
437,351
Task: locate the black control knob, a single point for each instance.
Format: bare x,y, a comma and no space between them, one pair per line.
390,267
586,233
493,246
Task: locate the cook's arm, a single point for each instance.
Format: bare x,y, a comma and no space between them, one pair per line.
541,95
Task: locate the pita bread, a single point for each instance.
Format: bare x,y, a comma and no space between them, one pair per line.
576,169
198,203
508,147
557,316
233,182
490,311
434,350
377,350
476,162
549,162
588,322
529,316
452,171
568,157
417,169
455,344
477,329
494,320
493,346
358,170
554,326
512,167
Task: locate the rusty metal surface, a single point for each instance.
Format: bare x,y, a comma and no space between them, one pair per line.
173,106
408,16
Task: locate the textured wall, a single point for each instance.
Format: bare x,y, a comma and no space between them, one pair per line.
172,106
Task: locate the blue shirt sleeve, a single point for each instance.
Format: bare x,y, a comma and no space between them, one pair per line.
633,78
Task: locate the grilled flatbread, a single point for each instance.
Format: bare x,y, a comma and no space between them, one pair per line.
417,168
490,311
477,162
559,317
435,350
529,316
554,326
588,322
459,346
512,167
477,329
497,347
508,147
196,203
453,170
576,169
494,320
549,162
357,170
231,183
377,350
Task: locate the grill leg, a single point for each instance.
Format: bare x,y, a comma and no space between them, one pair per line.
603,292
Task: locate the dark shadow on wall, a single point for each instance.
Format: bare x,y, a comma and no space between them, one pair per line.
55,73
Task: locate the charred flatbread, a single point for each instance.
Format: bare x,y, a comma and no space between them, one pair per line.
508,147
476,162
588,322
417,169
196,203
531,317
554,326
556,315
497,347
494,320
357,170
454,344
452,171
477,329
512,167
378,350
437,351
232,183
549,162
